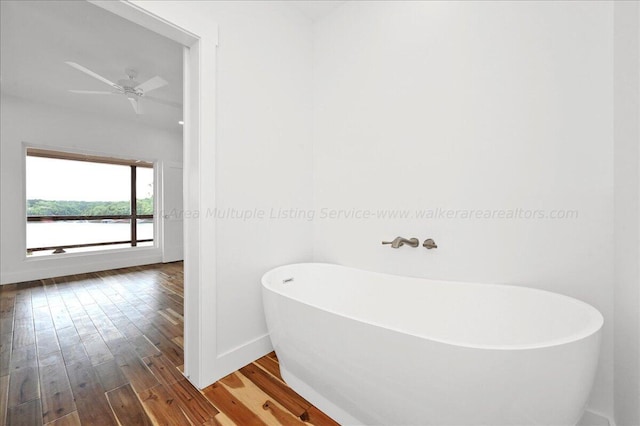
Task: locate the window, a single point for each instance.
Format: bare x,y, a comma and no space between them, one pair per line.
81,203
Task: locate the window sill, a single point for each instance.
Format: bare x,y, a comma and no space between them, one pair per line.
94,253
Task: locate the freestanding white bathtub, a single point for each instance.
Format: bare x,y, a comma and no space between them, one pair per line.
376,349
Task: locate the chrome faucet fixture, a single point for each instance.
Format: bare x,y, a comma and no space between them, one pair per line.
399,242
429,244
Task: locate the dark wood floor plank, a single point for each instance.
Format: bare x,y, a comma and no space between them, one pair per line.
127,407
61,317
163,369
27,414
127,328
71,419
23,357
23,308
144,347
135,370
107,329
56,396
39,299
75,355
97,350
194,404
6,325
84,325
167,347
23,332
46,341
270,365
110,375
4,391
6,340
42,317
24,386
277,390
167,325
7,303
92,404
281,416
68,336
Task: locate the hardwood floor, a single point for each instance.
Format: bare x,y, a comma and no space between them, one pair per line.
106,348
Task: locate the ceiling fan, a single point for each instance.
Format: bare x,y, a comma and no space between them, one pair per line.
133,90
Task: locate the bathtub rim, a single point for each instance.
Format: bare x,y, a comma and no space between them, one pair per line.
594,326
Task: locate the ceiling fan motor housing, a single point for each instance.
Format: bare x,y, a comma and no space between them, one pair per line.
130,84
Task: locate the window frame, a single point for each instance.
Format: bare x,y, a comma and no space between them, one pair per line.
133,217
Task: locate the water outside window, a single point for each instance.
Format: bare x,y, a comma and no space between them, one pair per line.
86,192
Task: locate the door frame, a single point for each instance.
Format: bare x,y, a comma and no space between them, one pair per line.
200,46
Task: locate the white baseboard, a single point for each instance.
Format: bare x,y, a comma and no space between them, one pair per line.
231,360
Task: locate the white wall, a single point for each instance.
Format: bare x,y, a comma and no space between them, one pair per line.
60,128
471,105
627,214
262,157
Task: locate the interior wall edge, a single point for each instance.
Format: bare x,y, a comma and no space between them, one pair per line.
626,279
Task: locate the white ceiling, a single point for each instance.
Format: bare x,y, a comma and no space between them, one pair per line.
315,9
37,37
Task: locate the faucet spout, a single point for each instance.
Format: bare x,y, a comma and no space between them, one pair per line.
400,241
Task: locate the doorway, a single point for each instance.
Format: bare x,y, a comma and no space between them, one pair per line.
173,21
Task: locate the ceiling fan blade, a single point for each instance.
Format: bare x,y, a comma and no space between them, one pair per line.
92,74
151,84
93,92
136,105
163,101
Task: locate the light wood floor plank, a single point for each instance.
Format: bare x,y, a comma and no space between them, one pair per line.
162,407
258,401
225,402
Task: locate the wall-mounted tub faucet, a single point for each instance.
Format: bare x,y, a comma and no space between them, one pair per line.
399,242
429,244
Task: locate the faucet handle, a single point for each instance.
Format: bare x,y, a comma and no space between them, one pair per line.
429,244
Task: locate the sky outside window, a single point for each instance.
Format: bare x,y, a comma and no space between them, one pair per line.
68,180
